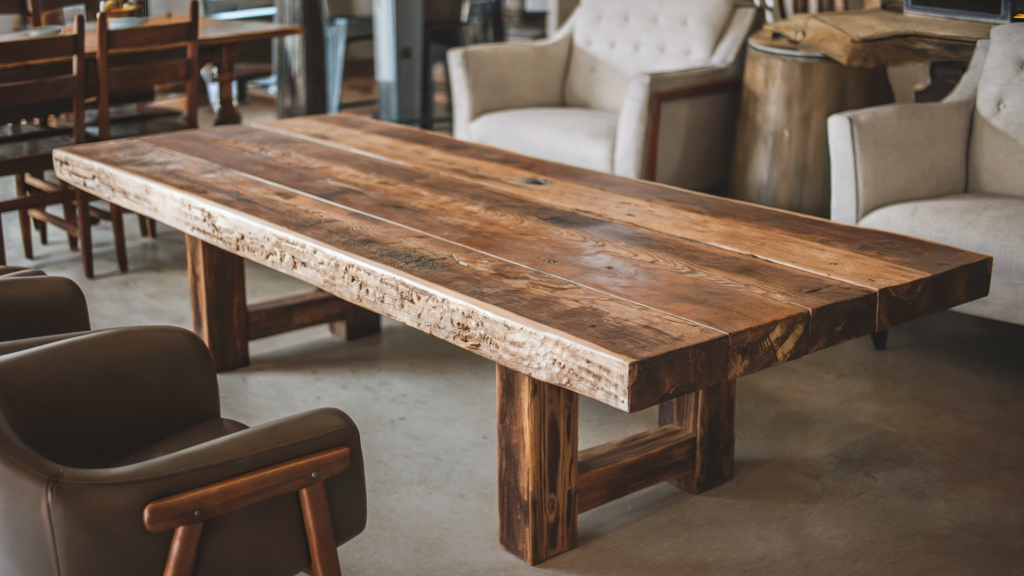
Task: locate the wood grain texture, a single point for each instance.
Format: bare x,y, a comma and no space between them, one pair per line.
282,315
905,272
219,314
709,414
625,291
619,468
316,515
181,559
245,490
537,463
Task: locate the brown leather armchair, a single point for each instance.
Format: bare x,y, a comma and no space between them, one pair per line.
36,309
98,428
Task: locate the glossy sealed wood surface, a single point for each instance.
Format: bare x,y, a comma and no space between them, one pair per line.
626,291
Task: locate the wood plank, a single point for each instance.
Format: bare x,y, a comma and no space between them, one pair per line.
219,315
754,300
233,494
537,460
607,348
913,277
282,315
619,468
710,414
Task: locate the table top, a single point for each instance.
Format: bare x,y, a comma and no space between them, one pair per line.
877,38
211,32
626,291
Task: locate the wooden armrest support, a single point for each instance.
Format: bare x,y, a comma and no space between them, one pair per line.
227,496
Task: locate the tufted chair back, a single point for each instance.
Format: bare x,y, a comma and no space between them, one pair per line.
997,135
614,39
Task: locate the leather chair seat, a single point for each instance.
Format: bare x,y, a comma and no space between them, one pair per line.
580,137
984,223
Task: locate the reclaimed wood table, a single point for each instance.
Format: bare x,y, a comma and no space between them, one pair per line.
218,44
574,282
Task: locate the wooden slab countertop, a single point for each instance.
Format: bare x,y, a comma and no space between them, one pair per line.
626,291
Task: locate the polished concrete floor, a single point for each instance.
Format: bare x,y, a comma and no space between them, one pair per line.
851,461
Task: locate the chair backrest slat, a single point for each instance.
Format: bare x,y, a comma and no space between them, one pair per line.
40,76
133,60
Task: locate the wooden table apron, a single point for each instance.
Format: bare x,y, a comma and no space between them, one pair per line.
218,44
629,292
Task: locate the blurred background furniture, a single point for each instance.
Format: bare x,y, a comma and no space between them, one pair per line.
112,434
38,78
252,60
949,172
842,61
587,96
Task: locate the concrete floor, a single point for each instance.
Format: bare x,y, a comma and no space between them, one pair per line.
851,461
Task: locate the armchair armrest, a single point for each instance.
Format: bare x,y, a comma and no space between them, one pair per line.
641,117
902,152
489,77
116,497
33,306
897,153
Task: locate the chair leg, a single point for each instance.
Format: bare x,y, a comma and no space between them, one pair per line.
151,226
3,248
879,339
143,226
117,222
23,218
319,531
85,231
41,227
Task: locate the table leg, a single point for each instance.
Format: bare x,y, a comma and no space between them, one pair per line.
710,414
537,465
226,111
358,323
219,313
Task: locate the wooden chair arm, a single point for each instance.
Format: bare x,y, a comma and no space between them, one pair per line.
201,504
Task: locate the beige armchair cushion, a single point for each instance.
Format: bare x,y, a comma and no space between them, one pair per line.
614,40
997,138
575,136
990,224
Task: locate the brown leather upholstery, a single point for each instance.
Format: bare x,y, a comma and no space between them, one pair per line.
94,427
33,305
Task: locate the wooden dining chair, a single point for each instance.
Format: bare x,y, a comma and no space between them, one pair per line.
40,77
129,63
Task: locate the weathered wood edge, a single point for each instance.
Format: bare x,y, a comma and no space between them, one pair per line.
580,364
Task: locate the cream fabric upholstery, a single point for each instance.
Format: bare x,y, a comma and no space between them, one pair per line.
991,224
608,60
997,139
950,172
576,136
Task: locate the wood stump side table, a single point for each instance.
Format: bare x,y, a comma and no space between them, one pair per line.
781,154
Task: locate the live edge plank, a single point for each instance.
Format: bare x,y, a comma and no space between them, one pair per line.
633,357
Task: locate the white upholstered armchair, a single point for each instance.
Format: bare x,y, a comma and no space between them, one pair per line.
951,171
644,89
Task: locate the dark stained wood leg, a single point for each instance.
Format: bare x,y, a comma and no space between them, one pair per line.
537,467
219,314
85,231
151,226
182,558
710,414
226,112
3,247
358,323
23,218
143,226
319,531
117,222
880,339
